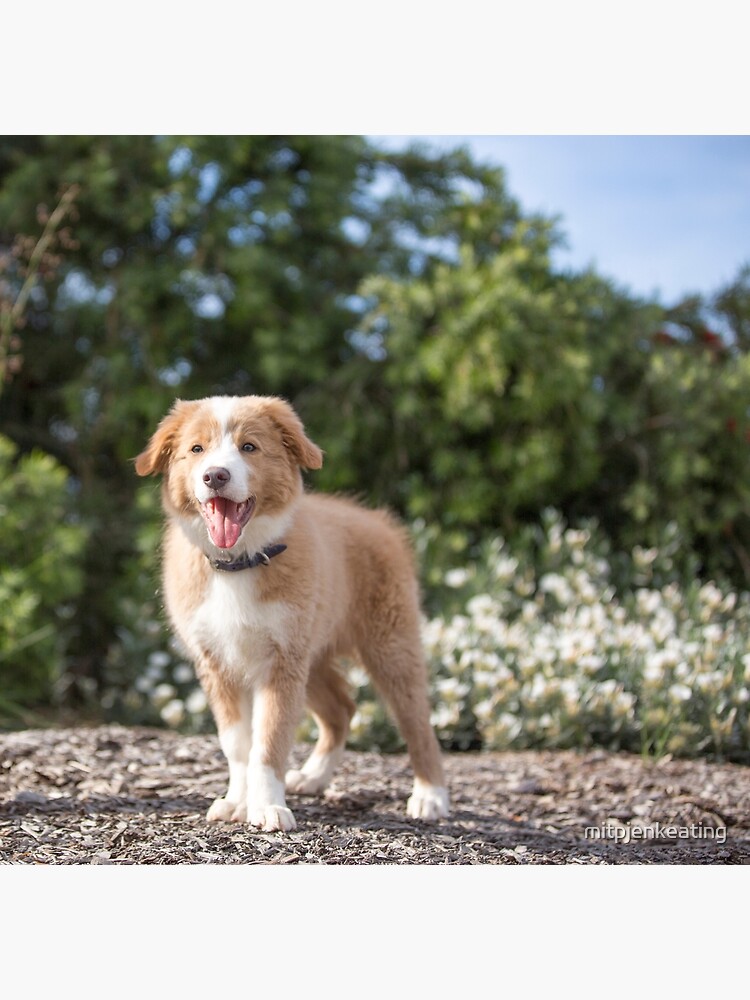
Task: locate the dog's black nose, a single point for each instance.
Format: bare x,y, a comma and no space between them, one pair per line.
216,477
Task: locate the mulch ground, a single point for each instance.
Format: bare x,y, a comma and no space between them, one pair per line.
116,795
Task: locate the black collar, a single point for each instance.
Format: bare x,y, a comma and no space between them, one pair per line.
246,561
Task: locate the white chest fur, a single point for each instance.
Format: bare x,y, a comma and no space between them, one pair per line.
238,631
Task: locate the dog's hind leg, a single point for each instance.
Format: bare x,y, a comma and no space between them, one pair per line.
328,700
399,673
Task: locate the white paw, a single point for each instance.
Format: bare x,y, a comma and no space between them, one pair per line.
271,818
428,802
224,811
305,784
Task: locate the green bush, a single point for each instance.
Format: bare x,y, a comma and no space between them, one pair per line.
40,572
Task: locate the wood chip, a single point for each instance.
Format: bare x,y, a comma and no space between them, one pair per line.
116,795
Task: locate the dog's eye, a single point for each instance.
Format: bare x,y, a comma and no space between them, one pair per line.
197,449
248,447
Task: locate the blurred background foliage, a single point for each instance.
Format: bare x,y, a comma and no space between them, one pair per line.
404,303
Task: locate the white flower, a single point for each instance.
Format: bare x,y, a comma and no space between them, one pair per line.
529,612
493,678
358,676
505,569
196,702
644,558
445,716
576,539
654,668
183,673
713,633
480,605
162,694
712,680
711,596
680,692
649,601
456,577
484,710
451,688
540,688
729,603
173,712
590,663
558,586
510,724
524,585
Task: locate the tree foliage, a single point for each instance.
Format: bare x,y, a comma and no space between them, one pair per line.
40,576
406,305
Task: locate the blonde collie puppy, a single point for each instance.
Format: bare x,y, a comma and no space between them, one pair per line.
267,585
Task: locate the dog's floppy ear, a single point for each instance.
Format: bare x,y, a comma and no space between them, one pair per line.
158,452
297,443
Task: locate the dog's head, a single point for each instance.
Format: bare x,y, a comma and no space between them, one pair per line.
229,461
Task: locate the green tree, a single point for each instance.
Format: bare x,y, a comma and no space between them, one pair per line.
687,442
40,540
40,577
405,304
493,388
203,265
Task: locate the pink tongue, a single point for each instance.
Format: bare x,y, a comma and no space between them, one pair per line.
224,522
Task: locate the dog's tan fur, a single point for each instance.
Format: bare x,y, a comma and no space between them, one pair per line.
265,640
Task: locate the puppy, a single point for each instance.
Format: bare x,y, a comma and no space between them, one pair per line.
267,585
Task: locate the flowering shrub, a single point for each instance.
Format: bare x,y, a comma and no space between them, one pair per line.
559,645
552,642
165,690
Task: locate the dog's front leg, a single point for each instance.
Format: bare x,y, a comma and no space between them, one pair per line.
277,706
231,708
235,741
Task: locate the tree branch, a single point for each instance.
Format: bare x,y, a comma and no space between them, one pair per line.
11,312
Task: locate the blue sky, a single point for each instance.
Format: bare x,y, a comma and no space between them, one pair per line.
662,216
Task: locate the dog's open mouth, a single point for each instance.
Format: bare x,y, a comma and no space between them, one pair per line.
225,519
